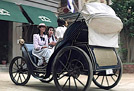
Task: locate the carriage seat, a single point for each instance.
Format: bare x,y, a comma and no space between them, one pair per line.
29,48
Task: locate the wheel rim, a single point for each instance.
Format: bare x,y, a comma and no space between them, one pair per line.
70,75
18,71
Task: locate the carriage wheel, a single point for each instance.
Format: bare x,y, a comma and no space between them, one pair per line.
108,81
72,70
18,71
47,80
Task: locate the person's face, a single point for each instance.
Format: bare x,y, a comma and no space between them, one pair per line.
50,31
42,29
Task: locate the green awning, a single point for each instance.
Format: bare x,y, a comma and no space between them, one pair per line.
11,12
38,15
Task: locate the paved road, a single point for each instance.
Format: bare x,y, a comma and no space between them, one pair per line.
126,84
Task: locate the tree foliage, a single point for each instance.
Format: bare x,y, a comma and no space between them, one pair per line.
125,10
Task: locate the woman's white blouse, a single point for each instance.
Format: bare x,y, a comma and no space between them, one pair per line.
38,43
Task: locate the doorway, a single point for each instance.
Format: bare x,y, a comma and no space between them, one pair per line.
4,25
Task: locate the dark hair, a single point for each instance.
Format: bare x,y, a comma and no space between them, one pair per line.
61,22
49,28
39,30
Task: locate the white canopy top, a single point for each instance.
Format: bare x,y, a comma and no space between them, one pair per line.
103,24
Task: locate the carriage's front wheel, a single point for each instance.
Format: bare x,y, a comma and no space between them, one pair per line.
72,70
107,81
18,71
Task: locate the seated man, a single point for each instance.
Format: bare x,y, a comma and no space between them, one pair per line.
60,29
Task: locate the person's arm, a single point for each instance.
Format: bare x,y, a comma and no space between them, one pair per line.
52,43
36,42
43,47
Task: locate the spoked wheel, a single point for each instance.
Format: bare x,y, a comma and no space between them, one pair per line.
108,79
72,70
18,71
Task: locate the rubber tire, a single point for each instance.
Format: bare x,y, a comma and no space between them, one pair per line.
84,54
11,74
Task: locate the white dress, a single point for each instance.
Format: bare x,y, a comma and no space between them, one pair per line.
38,51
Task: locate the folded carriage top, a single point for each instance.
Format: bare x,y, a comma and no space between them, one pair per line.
101,18
103,24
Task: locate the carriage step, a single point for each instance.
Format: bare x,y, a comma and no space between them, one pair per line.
107,72
38,77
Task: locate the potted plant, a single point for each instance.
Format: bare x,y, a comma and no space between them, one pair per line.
4,61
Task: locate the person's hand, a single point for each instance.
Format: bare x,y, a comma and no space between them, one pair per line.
52,43
44,47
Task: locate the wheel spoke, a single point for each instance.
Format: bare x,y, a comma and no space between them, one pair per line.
115,75
69,55
20,78
15,76
75,83
65,82
96,77
107,81
69,83
16,65
63,65
113,78
80,82
102,80
23,76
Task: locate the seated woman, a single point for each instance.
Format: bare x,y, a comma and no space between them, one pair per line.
41,45
51,37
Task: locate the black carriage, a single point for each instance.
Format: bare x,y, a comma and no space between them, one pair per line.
73,65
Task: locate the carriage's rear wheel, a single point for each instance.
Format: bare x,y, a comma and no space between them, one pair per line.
18,71
72,70
108,79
